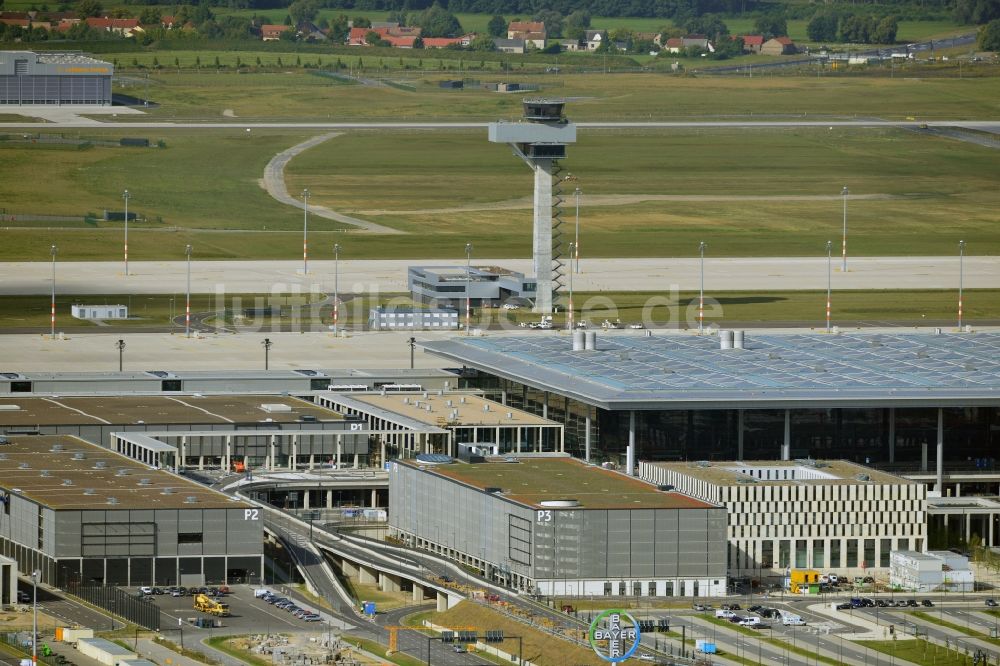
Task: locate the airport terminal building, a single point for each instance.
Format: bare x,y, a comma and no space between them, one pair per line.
552,525
912,403
56,78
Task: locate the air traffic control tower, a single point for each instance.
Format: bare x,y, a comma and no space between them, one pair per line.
540,140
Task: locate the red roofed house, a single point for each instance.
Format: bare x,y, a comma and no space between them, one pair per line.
778,46
270,32
532,32
443,42
122,26
753,43
398,37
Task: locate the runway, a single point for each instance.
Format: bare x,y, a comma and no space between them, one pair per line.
597,275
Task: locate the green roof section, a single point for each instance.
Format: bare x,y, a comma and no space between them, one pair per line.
533,480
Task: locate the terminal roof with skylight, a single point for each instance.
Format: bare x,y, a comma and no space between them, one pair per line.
773,370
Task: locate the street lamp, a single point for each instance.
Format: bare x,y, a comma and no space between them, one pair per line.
305,232
35,575
267,349
120,345
829,272
569,320
53,250
843,268
126,196
336,286
468,288
701,296
187,304
961,275
575,250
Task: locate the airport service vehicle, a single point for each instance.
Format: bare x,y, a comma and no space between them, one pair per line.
206,604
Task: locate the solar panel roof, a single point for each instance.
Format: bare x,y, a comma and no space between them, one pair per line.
682,370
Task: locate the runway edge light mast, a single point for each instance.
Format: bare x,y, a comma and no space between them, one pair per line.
541,143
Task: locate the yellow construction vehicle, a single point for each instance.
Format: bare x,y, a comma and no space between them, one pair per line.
206,604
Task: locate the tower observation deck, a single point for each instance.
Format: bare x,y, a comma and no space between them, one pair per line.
540,139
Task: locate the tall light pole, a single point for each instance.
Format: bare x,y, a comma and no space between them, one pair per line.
844,193
336,286
961,276
305,232
701,296
575,252
53,250
569,320
267,351
187,303
829,281
35,575
126,196
468,288
120,346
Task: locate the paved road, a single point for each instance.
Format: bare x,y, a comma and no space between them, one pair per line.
274,183
386,276
988,125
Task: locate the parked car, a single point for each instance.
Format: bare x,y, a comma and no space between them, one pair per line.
881,603
145,589
926,603
992,603
845,606
912,603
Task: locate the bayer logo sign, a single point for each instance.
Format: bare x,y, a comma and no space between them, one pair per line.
614,635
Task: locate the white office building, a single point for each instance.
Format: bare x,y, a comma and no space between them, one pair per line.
829,515
934,571
100,311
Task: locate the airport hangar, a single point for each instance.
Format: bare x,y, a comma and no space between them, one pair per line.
82,514
54,79
549,524
922,405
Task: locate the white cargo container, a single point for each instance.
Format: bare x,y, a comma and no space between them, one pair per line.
104,651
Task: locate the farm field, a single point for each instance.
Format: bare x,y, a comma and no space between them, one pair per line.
645,193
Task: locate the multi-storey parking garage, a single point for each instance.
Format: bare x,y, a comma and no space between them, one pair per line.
553,525
82,514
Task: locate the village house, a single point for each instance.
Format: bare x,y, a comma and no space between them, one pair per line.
778,46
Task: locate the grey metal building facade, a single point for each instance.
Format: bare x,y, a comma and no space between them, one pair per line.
84,515
571,551
28,78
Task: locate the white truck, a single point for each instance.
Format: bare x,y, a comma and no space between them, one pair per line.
790,619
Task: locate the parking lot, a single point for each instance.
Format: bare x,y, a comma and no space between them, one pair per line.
247,614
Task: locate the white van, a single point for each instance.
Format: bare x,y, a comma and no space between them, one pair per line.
792,620
750,621
724,614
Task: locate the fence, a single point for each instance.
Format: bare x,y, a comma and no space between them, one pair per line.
120,603
20,641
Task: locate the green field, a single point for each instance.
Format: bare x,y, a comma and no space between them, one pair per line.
919,651
292,94
747,193
651,308
145,310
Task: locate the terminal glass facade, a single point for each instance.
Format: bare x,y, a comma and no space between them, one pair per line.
860,435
